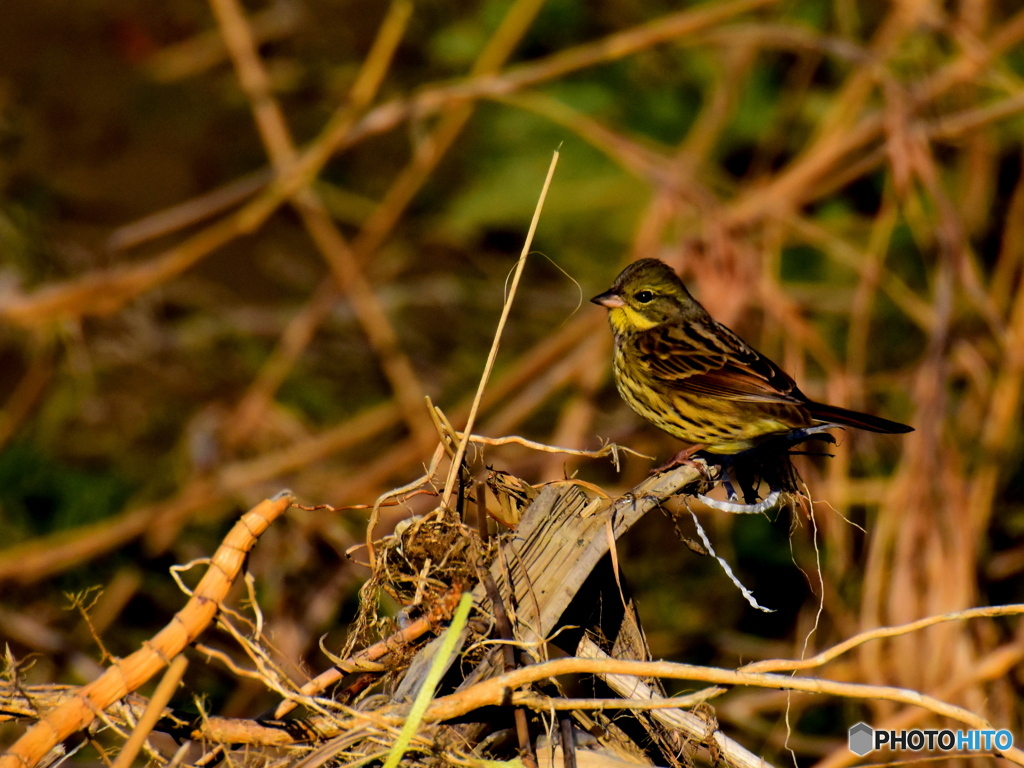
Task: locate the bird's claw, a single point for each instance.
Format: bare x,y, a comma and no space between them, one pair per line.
684,459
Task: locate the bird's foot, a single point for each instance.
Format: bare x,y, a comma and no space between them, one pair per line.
727,466
752,506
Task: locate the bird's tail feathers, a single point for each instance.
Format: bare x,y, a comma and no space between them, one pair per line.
836,415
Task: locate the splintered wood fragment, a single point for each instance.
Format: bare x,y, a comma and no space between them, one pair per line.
556,546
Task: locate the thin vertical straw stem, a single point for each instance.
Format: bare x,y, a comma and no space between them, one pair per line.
460,454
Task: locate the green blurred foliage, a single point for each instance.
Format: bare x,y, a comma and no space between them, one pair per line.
40,494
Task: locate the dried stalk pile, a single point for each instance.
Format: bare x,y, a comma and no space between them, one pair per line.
521,583
472,670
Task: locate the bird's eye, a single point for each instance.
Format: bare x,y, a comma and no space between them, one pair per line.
643,296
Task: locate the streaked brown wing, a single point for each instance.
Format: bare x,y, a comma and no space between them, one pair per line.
712,360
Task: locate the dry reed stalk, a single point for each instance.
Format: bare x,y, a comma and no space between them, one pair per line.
432,148
340,257
460,453
380,223
206,50
193,211
242,422
996,666
28,393
881,632
374,653
494,691
103,293
161,696
126,675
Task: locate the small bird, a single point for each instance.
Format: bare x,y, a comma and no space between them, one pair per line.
694,378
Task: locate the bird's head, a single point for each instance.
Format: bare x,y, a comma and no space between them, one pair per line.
647,294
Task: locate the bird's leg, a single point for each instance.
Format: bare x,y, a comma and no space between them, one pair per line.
725,464
748,481
681,458
684,457
734,468
730,492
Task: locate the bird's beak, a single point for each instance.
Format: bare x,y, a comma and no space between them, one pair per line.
609,299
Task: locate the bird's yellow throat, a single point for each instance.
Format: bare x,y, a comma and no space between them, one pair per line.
628,320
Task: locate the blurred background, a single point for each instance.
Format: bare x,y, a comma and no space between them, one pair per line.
180,336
